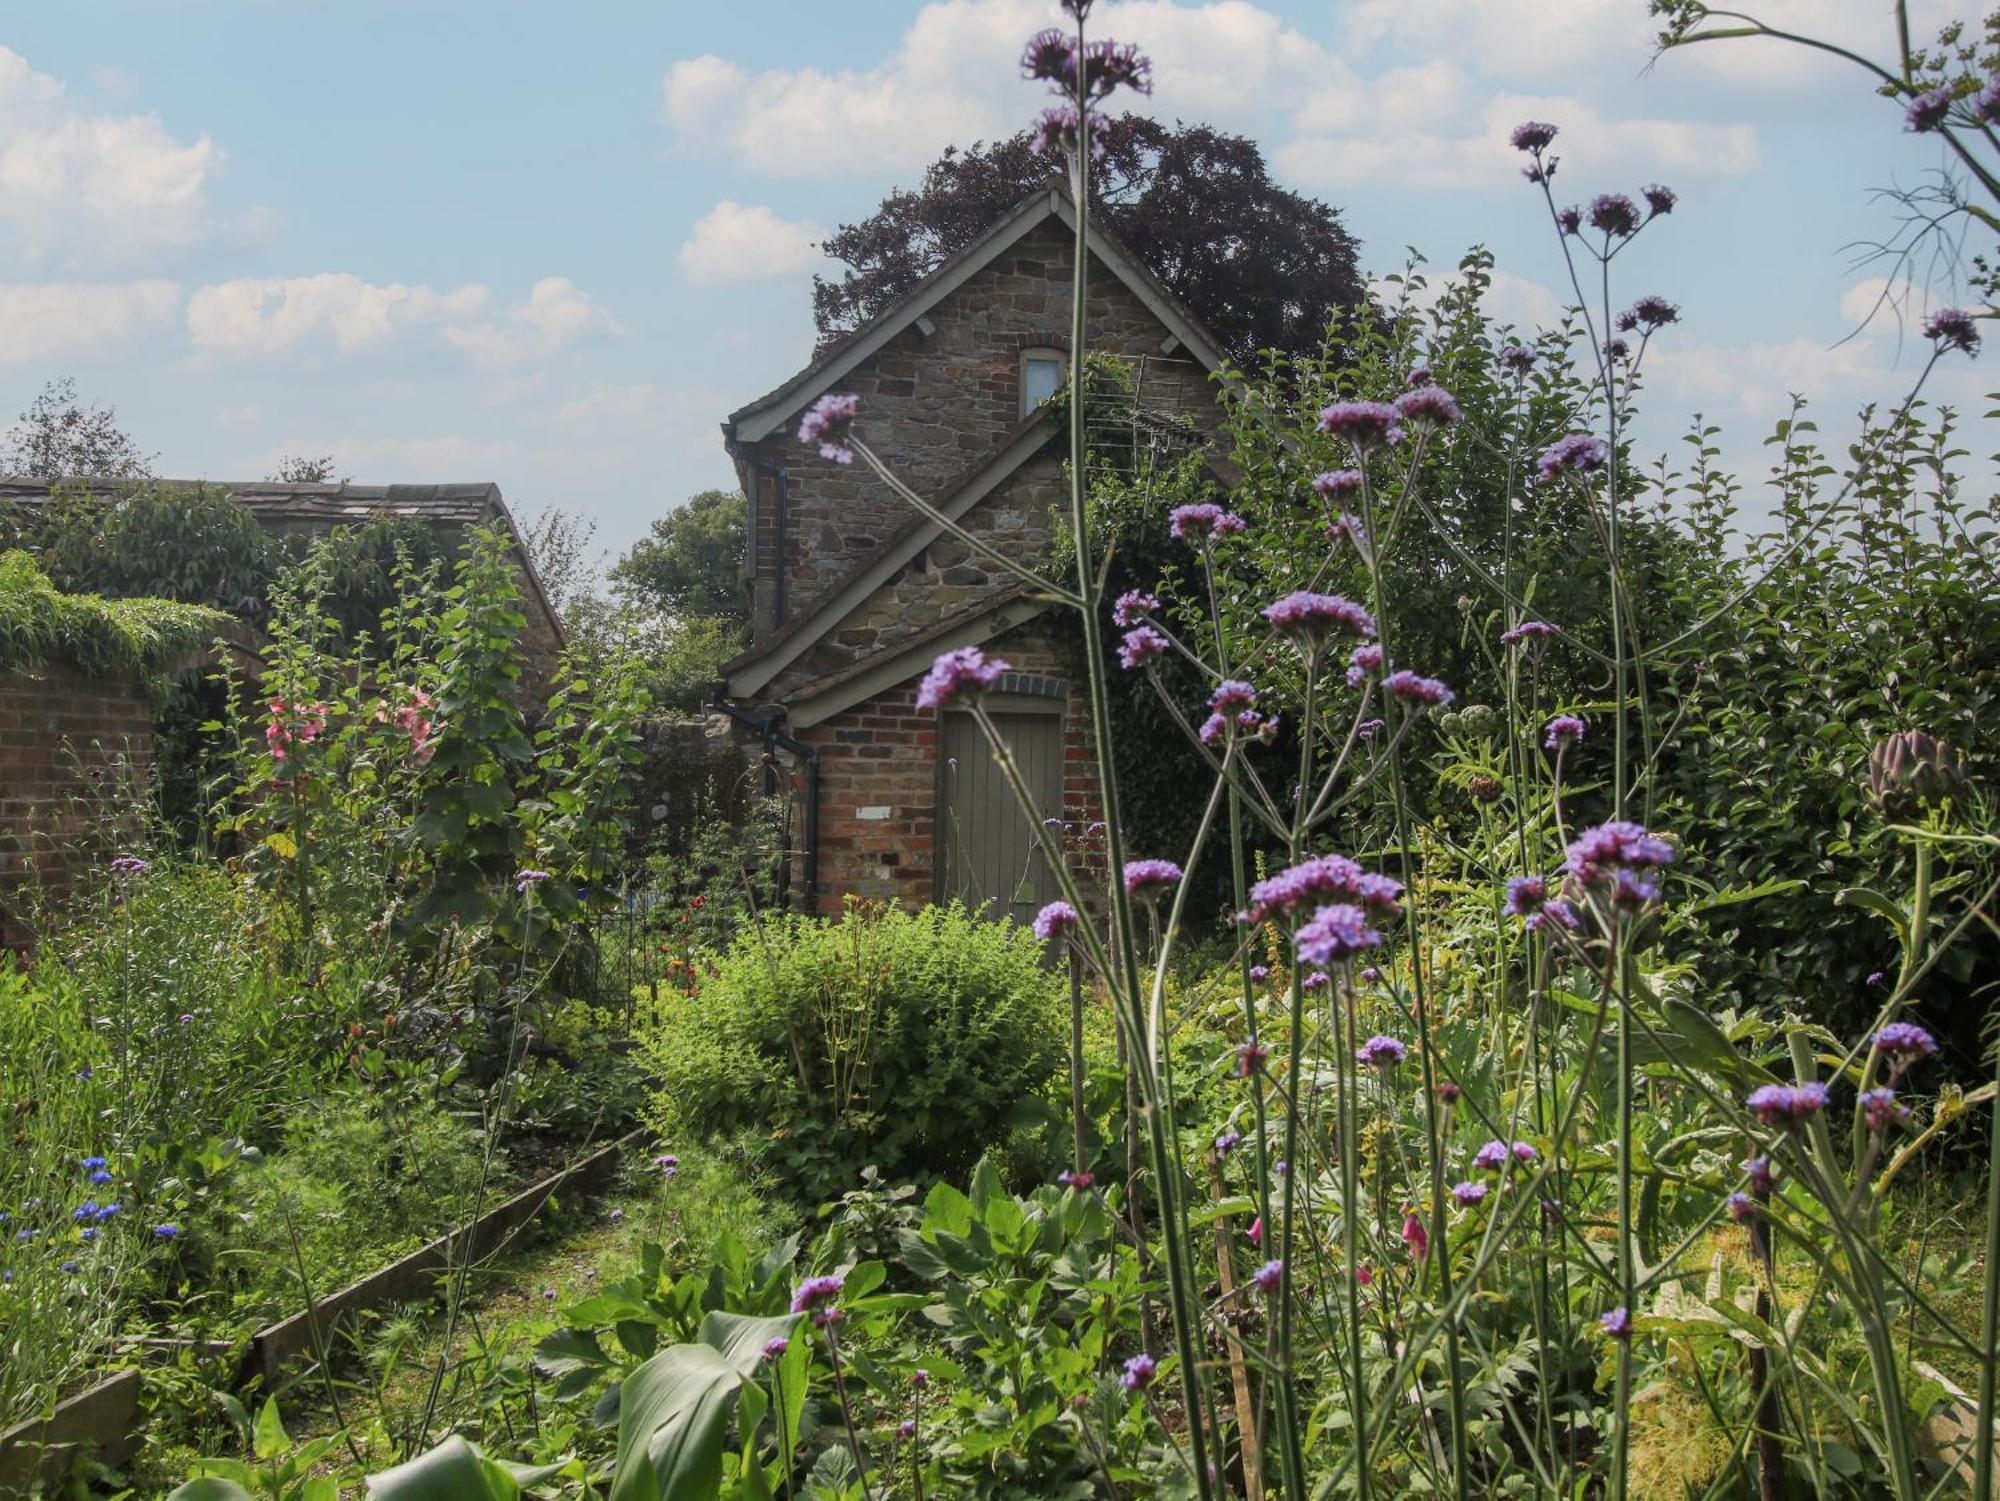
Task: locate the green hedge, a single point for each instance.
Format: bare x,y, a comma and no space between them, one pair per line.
906,1040
98,636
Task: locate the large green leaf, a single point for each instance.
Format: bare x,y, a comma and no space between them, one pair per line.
210,1488
671,1415
455,1471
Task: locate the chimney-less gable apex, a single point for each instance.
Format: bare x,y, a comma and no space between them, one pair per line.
769,413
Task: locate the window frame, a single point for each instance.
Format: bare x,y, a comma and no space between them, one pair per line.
1040,354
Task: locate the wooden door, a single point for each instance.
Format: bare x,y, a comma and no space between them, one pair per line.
990,855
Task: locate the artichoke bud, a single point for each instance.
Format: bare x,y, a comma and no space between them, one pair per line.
1911,771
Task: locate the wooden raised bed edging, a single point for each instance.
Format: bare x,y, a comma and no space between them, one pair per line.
104,1418
275,1344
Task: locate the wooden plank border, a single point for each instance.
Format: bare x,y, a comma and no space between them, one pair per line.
104,1418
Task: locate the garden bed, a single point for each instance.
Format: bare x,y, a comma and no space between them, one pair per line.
104,1419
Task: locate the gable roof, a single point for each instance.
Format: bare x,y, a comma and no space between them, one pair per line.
773,410
282,506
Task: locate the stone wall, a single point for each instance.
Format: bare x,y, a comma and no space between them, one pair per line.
73,749
938,407
881,756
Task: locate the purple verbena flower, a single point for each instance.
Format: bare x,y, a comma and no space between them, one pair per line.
1579,453
1491,1157
1758,1170
1204,522
1617,1324
1601,856
1905,1041
1518,359
129,865
1150,878
1080,1182
1928,110
1953,328
958,676
1614,214
1742,1208
1232,696
1367,425
1533,135
1526,895
1469,1193
1055,920
1569,220
1335,933
1530,630
1311,616
166,1232
1362,662
1132,607
1317,980
1420,375
826,424
1563,730
815,1291
525,880
1269,1277
1986,103
1880,1107
1109,66
1557,914
1381,1052
1260,972
1651,312
1317,881
1428,406
1659,200
1141,644
1050,56
1228,1142
1420,691
1139,1372
1250,1059
1338,484
1786,1104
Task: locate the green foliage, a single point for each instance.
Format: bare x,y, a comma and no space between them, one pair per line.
100,636
690,562
908,1040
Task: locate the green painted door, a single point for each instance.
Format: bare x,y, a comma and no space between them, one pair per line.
990,854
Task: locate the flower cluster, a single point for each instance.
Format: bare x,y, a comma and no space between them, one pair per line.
1204,522
1311,617
1518,359
1927,111
1563,731
1648,313
1428,406
130,865
1786,1104
1620,857
1335,933
1149,878
815,1292
1419,692
1952,328
1132,607
1099,70
1318,881
1469,1193
1055,920
1382,1052
958,676
1530,630
1367,425
827,423
1338,484
1493,1156
1904,1042
293,725
413,718
1614,215
1881,1108
1579,453
1141,644
526,880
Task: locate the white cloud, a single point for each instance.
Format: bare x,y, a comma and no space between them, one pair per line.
735,242
274,315
950,80
555,315
45,318
78,187
1509,299
378,460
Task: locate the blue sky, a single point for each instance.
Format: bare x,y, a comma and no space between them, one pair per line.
552,246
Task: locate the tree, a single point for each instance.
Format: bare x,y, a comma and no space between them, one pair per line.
1261,266
59,437
691,562
304,469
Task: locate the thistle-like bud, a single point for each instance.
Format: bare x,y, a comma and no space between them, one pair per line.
1480,721
1911,771
1483,789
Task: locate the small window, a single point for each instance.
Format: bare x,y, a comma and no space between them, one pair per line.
1041,377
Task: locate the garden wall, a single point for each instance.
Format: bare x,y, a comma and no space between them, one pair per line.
71,745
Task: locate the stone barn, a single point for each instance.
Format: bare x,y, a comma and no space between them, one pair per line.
853,593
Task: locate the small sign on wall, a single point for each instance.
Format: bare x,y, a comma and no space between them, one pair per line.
873,815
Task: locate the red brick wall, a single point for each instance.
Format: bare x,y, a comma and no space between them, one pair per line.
71,748
883,753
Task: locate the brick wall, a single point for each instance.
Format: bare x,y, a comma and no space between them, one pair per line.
936,406
882,754
71,749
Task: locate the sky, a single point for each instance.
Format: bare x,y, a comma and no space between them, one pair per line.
552,246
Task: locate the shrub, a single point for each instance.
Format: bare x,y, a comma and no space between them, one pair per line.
906,1040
